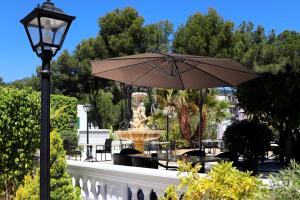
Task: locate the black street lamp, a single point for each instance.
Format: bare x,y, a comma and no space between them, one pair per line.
169,111
46,27
89,157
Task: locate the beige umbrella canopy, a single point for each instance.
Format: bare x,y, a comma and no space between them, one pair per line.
174,71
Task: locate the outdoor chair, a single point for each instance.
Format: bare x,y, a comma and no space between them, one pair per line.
231,156
119,159
151,147
173,147
200,153
196,144
104,149
69,150
123,146
195,153
128,151
144,162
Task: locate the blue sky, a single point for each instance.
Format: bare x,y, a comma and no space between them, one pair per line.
18,61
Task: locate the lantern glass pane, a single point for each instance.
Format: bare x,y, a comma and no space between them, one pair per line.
52,30
33,29
59,34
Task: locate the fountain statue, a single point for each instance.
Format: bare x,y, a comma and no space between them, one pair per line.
138,132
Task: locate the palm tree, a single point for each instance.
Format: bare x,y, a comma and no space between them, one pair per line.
183,103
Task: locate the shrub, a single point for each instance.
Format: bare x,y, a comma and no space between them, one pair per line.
222,182
71,136
286,183
248,138
60,182
64,112
19,135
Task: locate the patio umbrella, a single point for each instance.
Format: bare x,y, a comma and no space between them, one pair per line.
176,71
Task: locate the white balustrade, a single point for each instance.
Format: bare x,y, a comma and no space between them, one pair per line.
100,181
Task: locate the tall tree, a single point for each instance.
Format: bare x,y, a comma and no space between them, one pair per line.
1,81
156,36
205,35
274,99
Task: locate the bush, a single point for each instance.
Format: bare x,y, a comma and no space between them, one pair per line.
286,184
19,135
71,136
65,112
250,139
222,182
60,182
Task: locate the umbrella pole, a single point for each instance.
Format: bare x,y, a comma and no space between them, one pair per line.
201,102
200,118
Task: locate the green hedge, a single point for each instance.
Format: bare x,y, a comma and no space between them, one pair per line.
19,135
20,131
66,108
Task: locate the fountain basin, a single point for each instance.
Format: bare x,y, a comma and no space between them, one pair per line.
139,136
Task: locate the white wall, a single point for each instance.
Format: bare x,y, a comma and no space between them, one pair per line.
96,136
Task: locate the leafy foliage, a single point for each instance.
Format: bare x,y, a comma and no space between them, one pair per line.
19,135
273,99
205,35
71,136
64,112
159,121
20,131
286,183
187,111
222,182
248,138
60,183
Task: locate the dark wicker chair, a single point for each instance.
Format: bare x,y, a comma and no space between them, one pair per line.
195,153
231,156
70,150
200,153
104,149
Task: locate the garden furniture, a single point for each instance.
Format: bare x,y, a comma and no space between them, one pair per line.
70,150
104,149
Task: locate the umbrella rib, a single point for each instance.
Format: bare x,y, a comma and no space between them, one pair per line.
180,78
191,56
214,65
126,66
201,62
210,75
147,73
160,70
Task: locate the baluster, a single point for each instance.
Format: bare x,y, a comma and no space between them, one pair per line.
93,189
102,192
147,194
134,191
85,187
159,193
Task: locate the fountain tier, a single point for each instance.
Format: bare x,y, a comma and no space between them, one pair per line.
139,133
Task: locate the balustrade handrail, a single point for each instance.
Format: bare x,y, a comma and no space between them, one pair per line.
119,178
107,181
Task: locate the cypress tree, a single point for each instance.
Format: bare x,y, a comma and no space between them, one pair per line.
60,183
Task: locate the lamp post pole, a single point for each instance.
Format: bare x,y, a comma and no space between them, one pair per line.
45,127
46,27
89,157
87,136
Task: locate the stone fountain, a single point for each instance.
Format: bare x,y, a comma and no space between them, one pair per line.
139,133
